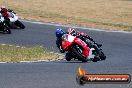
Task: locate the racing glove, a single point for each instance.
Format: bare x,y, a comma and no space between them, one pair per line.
61,49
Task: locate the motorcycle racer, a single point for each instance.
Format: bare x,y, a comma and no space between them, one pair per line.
11,19
5,13
59,34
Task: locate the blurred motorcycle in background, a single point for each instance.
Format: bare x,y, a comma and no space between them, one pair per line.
3,26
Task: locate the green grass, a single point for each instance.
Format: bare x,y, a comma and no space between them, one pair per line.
17,54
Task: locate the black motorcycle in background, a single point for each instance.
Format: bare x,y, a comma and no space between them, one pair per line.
14,21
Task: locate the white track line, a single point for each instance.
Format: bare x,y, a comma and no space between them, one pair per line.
86,28
3,44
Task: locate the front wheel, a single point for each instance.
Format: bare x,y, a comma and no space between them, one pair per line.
7,30
68,56
76,50
19,24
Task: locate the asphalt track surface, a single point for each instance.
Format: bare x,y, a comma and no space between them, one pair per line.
61,74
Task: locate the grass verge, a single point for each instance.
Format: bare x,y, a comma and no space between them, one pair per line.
17,54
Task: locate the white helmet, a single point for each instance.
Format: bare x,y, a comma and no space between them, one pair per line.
71,30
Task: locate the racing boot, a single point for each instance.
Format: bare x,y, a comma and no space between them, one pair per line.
99,45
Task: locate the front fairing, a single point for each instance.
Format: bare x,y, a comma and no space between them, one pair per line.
67,41
13,17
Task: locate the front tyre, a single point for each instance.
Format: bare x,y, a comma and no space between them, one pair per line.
68,56
19,24
7,30
76,50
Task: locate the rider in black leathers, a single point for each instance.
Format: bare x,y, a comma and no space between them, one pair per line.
83,36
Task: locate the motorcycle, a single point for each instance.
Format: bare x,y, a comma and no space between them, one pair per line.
14,22
97,49
3,27
75,48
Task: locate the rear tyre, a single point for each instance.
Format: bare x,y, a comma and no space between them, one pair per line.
79,55
19,24
102,56
96,59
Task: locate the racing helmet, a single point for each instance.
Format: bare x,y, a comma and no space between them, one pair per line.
3,9
59,32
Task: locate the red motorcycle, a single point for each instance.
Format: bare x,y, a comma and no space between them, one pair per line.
75,48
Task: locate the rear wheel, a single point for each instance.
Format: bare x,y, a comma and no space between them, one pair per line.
19,24
102,56
77,51
96,58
